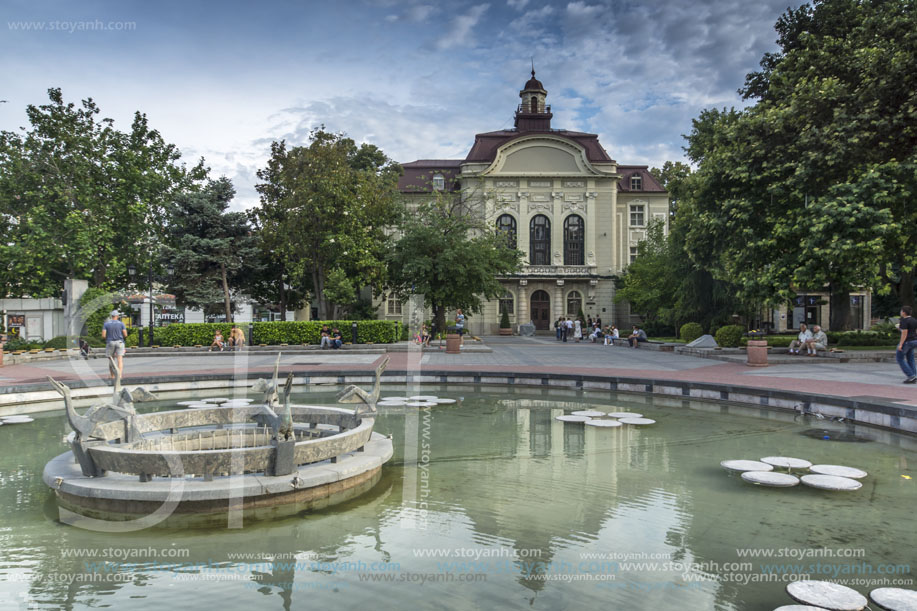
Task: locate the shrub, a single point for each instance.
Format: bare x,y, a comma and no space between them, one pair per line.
15,343
690,331
730,336
657,329
59,343
861,338
504,320
95,342
275,333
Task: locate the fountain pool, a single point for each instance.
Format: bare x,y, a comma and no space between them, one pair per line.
490,502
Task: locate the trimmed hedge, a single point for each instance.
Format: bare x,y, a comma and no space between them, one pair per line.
730,336
861,338
837,339
275,333
690,331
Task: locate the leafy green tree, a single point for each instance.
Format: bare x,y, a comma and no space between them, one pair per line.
450,257
664,285
209,247
812,186
673,175
326,209
77,196
844,80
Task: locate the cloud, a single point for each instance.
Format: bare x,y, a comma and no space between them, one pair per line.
461,29
517,4
417,13
526,23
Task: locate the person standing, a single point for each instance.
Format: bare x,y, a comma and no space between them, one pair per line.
906,344
460,326
557,329
114,332
568,328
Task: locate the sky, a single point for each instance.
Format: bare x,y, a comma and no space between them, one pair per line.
222,80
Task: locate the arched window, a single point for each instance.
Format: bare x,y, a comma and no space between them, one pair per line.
574,240
540,240
533,105
506,225
508,304
574,303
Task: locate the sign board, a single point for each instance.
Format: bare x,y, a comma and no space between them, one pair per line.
167,316
15,320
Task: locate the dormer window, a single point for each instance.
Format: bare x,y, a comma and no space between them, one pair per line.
439,182
636,183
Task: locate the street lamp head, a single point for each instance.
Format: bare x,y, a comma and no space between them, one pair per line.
132,270
171,269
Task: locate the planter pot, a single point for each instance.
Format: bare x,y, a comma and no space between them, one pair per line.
757,353
506,331
453,343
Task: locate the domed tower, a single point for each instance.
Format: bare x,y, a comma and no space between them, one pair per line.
533,113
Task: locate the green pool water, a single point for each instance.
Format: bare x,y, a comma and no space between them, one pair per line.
491,503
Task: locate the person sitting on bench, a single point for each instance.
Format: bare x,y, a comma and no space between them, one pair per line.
818,342
217,341
637,337
802,339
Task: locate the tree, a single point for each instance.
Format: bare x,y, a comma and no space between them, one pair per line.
812,186
666,286
77,196
326,210
450,257
673,176
842,92
209,247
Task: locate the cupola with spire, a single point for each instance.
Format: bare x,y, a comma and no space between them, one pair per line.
533,113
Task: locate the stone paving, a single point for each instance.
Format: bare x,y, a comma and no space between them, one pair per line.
514,354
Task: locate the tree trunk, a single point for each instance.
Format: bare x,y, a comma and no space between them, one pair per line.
439,318
318,284
226,302
840,309
283,297
905,289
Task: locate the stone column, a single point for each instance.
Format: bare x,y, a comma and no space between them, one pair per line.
522,303
559,300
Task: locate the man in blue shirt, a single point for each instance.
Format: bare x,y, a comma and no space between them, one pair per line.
114,332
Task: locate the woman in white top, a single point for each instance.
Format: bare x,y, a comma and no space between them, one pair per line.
611,336
577,330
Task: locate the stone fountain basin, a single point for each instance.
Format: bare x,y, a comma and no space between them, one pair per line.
252,452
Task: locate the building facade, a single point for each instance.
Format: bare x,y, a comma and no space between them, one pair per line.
576,213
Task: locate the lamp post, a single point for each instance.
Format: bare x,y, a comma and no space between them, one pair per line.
132,270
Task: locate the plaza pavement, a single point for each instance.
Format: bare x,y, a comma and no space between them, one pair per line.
875,381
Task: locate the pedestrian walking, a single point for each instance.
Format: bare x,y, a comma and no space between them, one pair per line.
906,344
114,332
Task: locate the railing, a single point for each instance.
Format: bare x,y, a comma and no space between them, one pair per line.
558,270
525,109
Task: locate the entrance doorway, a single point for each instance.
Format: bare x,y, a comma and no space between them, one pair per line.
541,310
